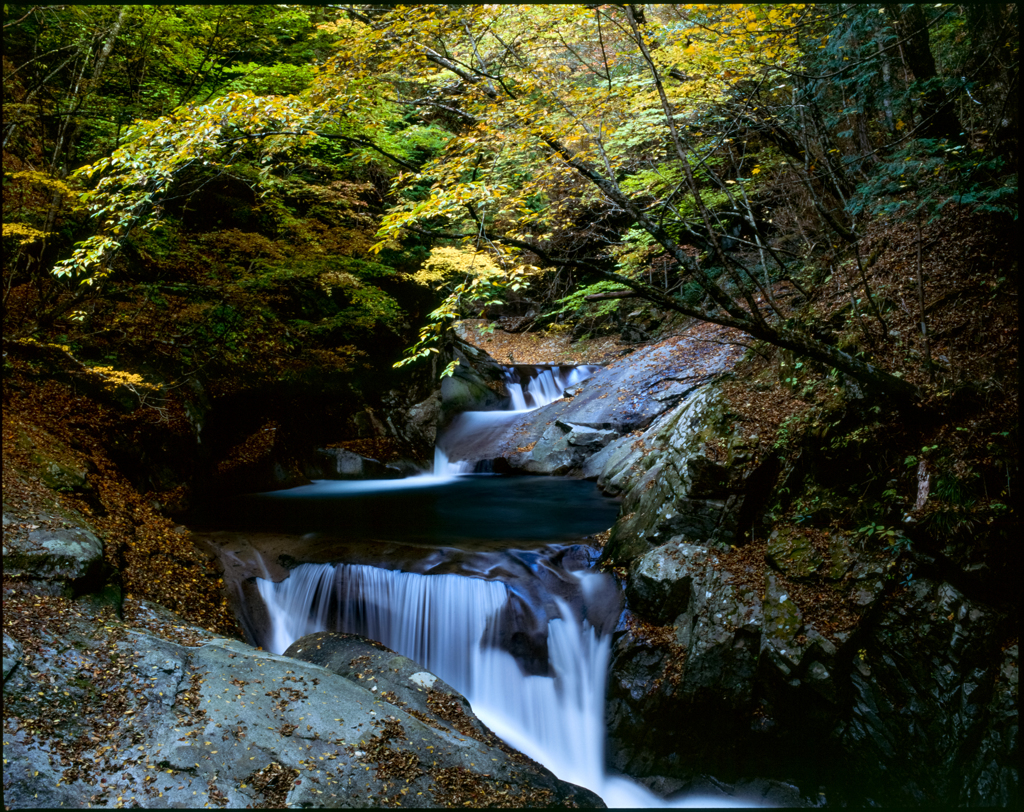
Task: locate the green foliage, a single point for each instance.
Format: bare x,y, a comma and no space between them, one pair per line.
575,305
269,80
926,175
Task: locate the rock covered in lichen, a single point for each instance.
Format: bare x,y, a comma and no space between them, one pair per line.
103,712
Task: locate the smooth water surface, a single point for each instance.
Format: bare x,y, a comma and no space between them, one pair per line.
426,509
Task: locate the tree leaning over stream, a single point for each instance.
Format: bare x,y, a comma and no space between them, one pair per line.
605,140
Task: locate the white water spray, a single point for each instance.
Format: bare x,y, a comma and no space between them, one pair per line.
546,386
444,623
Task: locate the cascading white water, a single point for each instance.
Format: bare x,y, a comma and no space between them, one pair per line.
444,622
547,385
449,624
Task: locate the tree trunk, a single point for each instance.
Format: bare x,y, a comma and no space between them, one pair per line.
938,117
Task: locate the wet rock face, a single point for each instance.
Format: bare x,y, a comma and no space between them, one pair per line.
216,722
565,447
917,705
673,700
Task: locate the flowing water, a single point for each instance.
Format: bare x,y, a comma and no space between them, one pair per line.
525,638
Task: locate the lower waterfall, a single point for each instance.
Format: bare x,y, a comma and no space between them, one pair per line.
447,623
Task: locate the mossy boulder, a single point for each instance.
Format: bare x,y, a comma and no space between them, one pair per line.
63,478
793,553
52,550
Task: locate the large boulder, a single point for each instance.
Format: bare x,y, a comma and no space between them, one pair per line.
105,713
340,463
53,550
407,686
677,478
679,695
565,447
474,385
419,424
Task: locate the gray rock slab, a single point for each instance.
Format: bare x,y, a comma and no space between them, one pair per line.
107,715
340,463
621,397
12,655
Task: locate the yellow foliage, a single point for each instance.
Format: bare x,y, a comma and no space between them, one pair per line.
446,264
114,378
44,180
26,234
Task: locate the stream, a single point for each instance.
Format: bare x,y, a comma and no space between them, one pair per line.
485,580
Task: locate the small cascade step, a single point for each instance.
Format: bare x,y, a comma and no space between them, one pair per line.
530,386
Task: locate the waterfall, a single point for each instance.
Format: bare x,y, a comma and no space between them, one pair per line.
547,385
446,623
529,388
455,625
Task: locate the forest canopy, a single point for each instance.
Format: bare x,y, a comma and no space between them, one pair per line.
695,156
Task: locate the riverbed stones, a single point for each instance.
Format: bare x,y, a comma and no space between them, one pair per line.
623,397
586,437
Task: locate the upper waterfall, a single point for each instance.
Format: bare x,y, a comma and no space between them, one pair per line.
529,387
